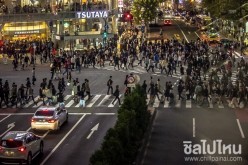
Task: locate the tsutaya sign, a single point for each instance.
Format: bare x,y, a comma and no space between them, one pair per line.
92,14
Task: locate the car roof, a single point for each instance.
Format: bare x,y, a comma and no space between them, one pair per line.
48,108
15,135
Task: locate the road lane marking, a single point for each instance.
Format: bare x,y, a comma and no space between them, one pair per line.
197,35
104,99
28,129
62,140
193,127
45,134
240,129
5,118
183,33
104,113
94,129
92,102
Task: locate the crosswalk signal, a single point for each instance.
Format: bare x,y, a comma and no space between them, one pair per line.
105,34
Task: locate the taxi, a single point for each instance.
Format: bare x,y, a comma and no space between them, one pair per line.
49,118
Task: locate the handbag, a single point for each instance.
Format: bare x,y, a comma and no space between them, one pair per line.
68,84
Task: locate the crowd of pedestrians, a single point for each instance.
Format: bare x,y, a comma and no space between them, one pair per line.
209,73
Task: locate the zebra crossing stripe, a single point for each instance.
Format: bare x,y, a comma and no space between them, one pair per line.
93,101
67,97
188,104
104,100
38,104
148,99
221,106
156,102
112,105
31,102
166,103
211,104
69,104
178,104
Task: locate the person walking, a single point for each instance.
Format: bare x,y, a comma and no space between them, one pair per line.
110,85
87,88
117,95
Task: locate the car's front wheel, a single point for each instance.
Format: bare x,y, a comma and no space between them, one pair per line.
29,159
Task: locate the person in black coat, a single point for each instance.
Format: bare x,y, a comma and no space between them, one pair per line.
117,95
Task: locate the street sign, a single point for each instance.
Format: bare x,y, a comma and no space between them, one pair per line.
131,79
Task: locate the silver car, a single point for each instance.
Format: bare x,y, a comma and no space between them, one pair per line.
49,118
20,147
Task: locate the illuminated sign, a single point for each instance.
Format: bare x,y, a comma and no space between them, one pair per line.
28,32
92,14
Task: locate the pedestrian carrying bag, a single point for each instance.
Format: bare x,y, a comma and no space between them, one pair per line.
82,103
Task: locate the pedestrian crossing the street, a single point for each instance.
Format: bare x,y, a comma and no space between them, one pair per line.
99,100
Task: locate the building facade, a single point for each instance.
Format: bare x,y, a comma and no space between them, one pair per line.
70,23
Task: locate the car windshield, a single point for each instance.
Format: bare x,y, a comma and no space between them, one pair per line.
11,143
44,113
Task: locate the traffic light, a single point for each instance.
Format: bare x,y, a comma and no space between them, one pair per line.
105,34
127,16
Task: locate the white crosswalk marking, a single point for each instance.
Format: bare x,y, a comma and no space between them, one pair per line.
31,102
104,100
67,97
178,104
156,102
69,104
38,104
220,106
112,105
147,99
188,104
100,100
166,103
93,101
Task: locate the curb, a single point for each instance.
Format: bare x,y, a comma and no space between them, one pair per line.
145,142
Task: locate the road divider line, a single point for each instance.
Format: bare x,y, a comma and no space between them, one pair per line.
45,134
5,118
193,127
240,129
183,33
197,35
104,113
62,140
28,129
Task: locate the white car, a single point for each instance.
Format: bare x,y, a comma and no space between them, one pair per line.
49,118
20,147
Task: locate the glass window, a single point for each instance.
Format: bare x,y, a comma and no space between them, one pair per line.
44,113
11,143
